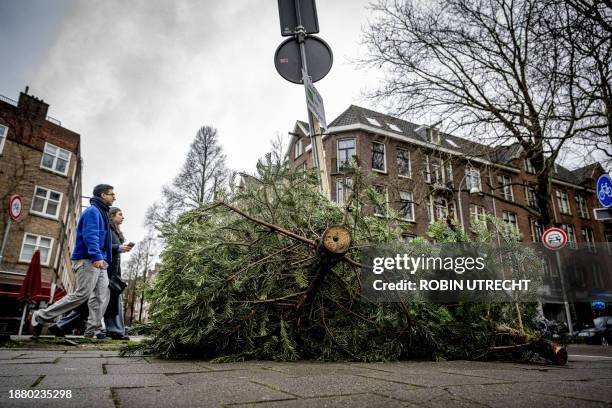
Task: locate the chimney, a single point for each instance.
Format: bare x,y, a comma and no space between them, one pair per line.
34,108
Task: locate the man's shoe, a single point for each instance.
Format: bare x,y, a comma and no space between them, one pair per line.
57,331
100,336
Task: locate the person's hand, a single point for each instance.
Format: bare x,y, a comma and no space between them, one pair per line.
126,248
99,264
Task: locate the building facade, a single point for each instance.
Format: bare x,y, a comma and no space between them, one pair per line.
41,161
426,175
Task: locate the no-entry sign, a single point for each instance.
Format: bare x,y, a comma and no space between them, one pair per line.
15,207
554,238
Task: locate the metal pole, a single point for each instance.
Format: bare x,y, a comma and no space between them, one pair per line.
318,160
25,308
5,238
568,315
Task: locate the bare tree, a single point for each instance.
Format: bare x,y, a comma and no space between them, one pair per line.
202,177
138,266
497,70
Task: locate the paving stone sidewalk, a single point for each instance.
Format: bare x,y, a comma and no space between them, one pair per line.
103,379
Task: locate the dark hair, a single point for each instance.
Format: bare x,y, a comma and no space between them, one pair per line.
101,188
111,214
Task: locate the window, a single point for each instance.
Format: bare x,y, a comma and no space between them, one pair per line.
536,230
433,136
3,133
563,201
472,179
529,166
407,205
394,127
452,143
46,202
346,151
378,157
55,159
530,196
440,209
373,121
477,213
298,148
33,242
583,208
587,236
510,220
506,186
571,235
344,188
379,208
434,171
448,174
404,168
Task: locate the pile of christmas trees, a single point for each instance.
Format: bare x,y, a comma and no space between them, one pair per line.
260,275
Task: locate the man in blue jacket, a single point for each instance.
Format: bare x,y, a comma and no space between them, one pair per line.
91,256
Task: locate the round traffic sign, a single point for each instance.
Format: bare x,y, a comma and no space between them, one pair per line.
554,238
288,60
604,190
15,207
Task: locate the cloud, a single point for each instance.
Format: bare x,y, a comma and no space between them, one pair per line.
137,79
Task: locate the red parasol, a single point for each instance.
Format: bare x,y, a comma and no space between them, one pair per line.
30,289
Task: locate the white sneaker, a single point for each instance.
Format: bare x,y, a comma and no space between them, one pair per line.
34,321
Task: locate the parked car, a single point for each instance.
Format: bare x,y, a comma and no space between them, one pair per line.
600,333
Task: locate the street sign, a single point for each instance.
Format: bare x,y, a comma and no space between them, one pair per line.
554,238
604,190
288,59
602,214
15,206
314,101
289,17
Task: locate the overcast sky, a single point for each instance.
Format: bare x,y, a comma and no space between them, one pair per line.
137,79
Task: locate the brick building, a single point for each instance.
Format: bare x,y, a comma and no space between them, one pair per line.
41,161
426,175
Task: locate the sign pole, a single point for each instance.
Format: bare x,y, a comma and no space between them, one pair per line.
314,131
5,238
568,315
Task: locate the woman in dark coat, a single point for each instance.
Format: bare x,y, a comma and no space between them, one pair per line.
113,317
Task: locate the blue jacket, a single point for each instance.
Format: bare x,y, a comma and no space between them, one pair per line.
91,237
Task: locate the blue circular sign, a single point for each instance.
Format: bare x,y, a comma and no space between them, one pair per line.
604,190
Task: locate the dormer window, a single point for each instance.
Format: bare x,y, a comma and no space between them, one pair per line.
394,127
373,121
433,136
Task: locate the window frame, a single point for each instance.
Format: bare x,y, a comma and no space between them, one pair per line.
354,148
46,202
529,168
298,151
55,159
506,187
385,194
384,158
508,222
43,262
561,200
410,202
478,215
397,155
582,204
570,230
4,137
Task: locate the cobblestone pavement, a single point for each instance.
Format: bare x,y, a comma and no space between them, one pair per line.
99,378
